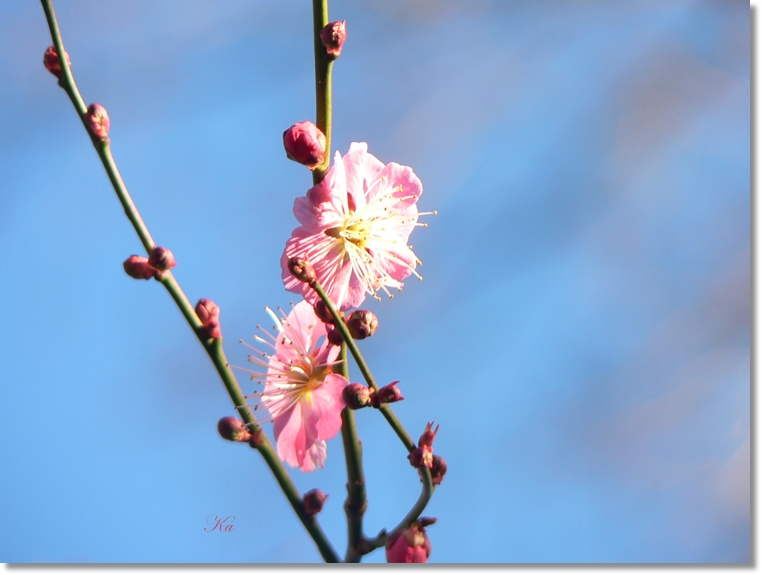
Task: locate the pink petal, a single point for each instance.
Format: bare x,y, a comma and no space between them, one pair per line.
290,436
327,405
362,170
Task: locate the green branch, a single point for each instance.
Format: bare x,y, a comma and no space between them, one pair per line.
323,68
213,347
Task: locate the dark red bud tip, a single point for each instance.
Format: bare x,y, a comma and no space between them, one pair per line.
233,429
333,335
161,258
313,501
302,270
388,394
305,143
356,396
98,121
209,314
362,323
428,435
333,36
438,470
138,267
321,310
426,521
52,62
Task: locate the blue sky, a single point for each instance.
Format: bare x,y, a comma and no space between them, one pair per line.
582,333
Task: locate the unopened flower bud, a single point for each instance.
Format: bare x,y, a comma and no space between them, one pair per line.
427,437
257,438
98,120
332,36
411,545
138,267
421,456
313,501
438,469
356,396
387,394
302,270
362,323
161,258
209,314
321,310
333,335
305,144
233,429
52,62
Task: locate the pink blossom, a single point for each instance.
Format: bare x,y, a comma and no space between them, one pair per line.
411,545
354,229
302,394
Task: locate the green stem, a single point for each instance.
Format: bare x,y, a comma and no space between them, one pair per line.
213,347
323,68
356,502
388,413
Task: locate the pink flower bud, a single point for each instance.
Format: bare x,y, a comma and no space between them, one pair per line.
387,394
305,143
356,396
362,323
333,36
302,270
411,545
427,438
209,314
98,120
233,429
313,501
52,62
161,258
138,267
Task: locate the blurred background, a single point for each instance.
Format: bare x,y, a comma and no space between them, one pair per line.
582,334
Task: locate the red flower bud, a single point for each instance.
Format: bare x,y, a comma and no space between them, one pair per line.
438,469
305,144
427,438
422,456
209,314
356,396
257,438
313,501
333,335
332,36
161,258
52,62
321,310
233,429
387,394
302,270
362,323
98,120
411,545
138,267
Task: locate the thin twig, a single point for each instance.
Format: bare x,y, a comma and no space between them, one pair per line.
213,347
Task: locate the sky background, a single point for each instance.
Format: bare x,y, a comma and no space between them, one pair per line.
582,334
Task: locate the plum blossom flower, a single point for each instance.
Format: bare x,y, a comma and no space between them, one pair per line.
301,392
355,226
